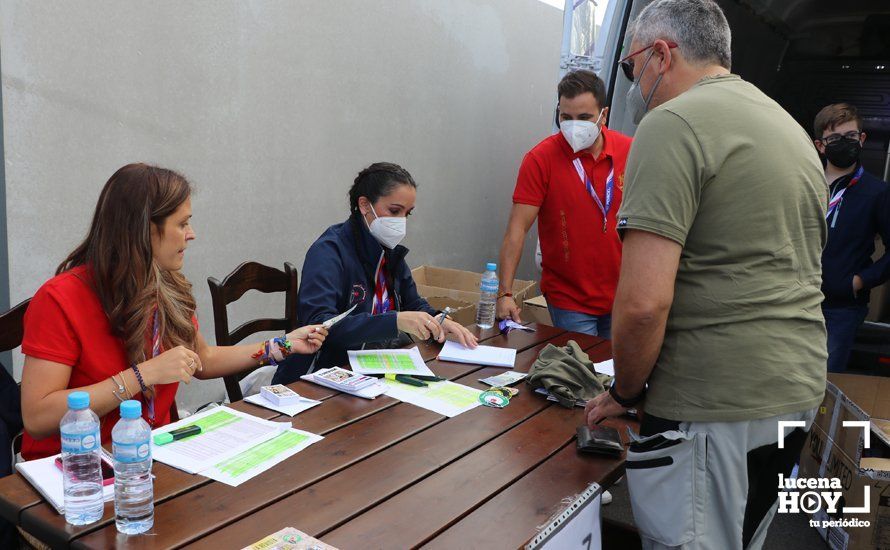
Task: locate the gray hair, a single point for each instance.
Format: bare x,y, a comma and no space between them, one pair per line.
697,26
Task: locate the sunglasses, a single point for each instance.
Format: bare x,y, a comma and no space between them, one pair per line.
627,63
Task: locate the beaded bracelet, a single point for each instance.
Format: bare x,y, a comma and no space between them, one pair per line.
142,385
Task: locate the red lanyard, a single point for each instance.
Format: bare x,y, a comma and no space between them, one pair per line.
381,303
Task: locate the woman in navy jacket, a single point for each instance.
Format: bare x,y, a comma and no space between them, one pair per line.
360,263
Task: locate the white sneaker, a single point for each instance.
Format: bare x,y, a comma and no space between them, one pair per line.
607,497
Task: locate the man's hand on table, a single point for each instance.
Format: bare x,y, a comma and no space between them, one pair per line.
601,407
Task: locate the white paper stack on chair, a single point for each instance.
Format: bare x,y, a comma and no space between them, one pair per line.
46,477
483,355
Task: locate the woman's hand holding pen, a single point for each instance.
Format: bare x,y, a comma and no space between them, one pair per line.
420,324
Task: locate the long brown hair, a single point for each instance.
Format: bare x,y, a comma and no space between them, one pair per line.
117,250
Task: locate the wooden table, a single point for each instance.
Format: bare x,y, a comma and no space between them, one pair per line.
386,475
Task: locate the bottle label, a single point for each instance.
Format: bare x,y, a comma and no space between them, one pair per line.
131,452
75,443
489,286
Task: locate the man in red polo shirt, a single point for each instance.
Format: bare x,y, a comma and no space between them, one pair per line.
571,183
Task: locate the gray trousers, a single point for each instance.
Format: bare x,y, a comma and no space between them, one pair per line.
709,485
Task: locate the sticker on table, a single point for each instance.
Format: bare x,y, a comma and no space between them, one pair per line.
494,399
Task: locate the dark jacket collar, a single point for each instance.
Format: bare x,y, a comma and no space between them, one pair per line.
845,179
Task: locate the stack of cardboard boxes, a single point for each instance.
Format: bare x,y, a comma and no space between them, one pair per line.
837,451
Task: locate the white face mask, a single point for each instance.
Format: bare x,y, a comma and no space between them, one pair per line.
636,103
580,134
388,230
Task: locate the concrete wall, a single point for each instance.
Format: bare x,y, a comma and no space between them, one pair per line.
271,108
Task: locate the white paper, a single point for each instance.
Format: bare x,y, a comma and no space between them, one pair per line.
606,367
582,529
198,453
445,398
368,392
260,458
388,361
290,410
46,477
482,355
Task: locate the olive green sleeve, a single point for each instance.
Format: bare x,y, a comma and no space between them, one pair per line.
664,177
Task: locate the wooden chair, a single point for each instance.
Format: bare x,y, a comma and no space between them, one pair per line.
12,331
12,326
251,276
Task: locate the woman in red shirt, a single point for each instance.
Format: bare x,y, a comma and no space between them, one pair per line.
118,319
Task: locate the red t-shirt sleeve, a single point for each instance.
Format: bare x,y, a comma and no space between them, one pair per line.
531,184
48,331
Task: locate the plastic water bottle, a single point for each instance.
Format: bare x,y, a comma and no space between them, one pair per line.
488,297
133,491
81,461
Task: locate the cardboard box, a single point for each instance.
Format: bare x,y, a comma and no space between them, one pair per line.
454,287
835,451
535,309
854,397
464,312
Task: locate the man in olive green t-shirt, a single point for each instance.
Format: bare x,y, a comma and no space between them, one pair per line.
718,300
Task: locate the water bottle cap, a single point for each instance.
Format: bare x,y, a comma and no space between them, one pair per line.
491,266
131,409
78,400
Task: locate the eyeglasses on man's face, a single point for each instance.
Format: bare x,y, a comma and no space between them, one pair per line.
627,62
834,138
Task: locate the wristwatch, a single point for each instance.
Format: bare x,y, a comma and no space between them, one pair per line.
626,402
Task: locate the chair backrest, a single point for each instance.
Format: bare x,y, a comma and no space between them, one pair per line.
12,326
12,331
251,276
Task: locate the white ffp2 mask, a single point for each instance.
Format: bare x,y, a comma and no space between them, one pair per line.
388,230
580,134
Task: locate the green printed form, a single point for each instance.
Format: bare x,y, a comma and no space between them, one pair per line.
256,456
389,362
453,394
447,398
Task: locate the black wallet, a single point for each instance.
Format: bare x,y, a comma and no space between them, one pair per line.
600,440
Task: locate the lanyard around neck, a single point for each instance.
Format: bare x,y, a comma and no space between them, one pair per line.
610,185
835,201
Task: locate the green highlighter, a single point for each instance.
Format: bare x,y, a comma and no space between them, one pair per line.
405,379
174,435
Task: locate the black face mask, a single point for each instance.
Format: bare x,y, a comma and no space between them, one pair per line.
843,153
